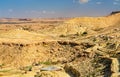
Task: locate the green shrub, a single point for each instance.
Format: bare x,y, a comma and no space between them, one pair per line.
27,68
37,75
48,63
62,35
1,65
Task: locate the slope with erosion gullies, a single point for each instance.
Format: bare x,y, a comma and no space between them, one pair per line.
86,24
90,56
21,41
20,47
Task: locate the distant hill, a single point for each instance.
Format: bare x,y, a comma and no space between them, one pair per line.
83,24
115,12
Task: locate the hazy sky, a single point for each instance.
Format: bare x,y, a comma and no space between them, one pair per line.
56,8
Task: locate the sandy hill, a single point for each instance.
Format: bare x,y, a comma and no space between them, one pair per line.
21,36
87,24
97,21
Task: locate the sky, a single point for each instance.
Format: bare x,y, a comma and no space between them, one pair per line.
56,8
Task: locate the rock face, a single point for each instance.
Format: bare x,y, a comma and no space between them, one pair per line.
53,74
115,67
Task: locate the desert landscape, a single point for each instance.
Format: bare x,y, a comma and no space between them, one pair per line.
60,47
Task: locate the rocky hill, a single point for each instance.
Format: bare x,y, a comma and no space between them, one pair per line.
115,12
86,24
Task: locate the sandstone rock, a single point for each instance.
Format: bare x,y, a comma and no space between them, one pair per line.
115,65
53,74
72,70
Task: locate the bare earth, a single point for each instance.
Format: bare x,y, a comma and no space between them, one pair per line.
69,47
